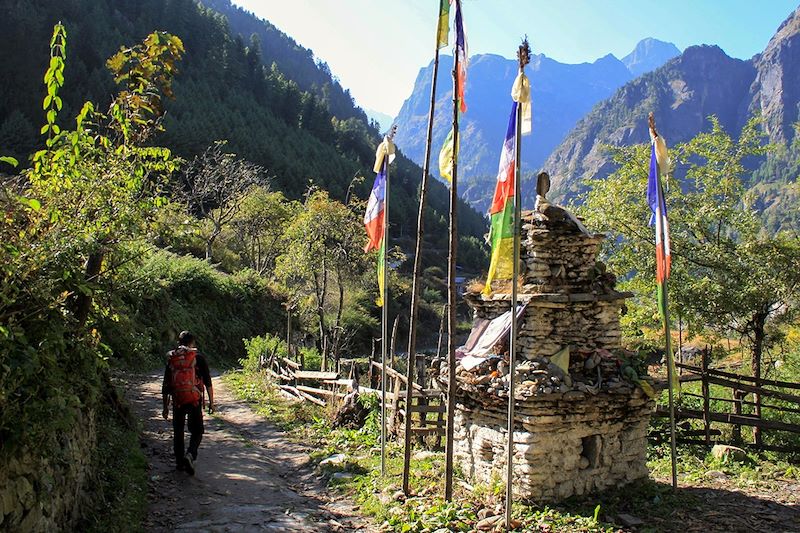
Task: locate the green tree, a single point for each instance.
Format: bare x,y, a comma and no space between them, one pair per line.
98,183
728,274
259,227
88,196
323,257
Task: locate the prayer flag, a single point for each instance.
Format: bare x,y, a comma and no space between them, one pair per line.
501,234
374,216
449,151
463,57
443,31
659,163
655,198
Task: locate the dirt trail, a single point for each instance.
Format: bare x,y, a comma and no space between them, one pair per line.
249,476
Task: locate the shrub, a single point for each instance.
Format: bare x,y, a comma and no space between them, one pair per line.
167,293
312,359
260,350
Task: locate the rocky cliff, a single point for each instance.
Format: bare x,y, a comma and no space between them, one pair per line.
683,93
775,92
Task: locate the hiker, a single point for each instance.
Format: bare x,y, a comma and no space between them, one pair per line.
185,378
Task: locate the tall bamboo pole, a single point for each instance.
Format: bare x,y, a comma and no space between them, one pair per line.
522,55
385,314
412,327
667,339
451,296
670,372
441,331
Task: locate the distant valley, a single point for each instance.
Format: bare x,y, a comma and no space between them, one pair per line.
562,95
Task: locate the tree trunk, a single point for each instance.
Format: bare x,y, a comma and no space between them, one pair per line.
337,332
320,290
210,241
83,302
392,350
371,371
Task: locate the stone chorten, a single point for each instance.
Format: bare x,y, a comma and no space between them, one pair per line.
581,413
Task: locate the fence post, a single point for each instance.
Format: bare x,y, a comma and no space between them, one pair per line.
706,400
396,405
737,409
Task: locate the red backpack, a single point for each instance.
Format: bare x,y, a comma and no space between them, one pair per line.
187,389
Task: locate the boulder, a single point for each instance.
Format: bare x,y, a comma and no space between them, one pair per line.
725,452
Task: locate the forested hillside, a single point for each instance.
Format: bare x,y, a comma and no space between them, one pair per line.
274,104
276,47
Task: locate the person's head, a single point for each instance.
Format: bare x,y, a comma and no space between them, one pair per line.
186,339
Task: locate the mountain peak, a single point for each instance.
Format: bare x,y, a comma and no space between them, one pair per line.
649,54
607,58
788,29
789,26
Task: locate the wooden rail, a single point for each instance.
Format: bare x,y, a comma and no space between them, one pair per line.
730,418
761,381
740,386
321,388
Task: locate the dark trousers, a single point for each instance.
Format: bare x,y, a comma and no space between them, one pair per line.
194,413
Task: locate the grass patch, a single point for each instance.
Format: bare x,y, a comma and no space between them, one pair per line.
117,492
379,497
359,475
696,465
264,398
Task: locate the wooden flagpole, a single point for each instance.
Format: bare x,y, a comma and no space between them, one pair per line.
523,57
451,294
384,314
385,309
670,372
412,327
667,339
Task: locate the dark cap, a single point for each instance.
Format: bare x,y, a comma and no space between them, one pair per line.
185,338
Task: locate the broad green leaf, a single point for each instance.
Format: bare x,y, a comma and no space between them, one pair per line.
33,203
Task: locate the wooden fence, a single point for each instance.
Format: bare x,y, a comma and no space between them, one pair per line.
323,388
427,403
762,392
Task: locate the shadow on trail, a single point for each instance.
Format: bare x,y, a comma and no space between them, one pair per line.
248,478
690,509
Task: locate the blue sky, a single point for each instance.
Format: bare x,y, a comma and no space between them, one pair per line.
376,47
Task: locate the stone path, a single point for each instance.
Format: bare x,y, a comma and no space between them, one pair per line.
249,476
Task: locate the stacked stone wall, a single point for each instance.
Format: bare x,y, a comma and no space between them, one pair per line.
553,321
44,493
579,427
569,446
557,262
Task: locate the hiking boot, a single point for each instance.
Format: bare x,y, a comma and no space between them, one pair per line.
188,464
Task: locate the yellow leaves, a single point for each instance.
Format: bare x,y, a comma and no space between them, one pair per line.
146,71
